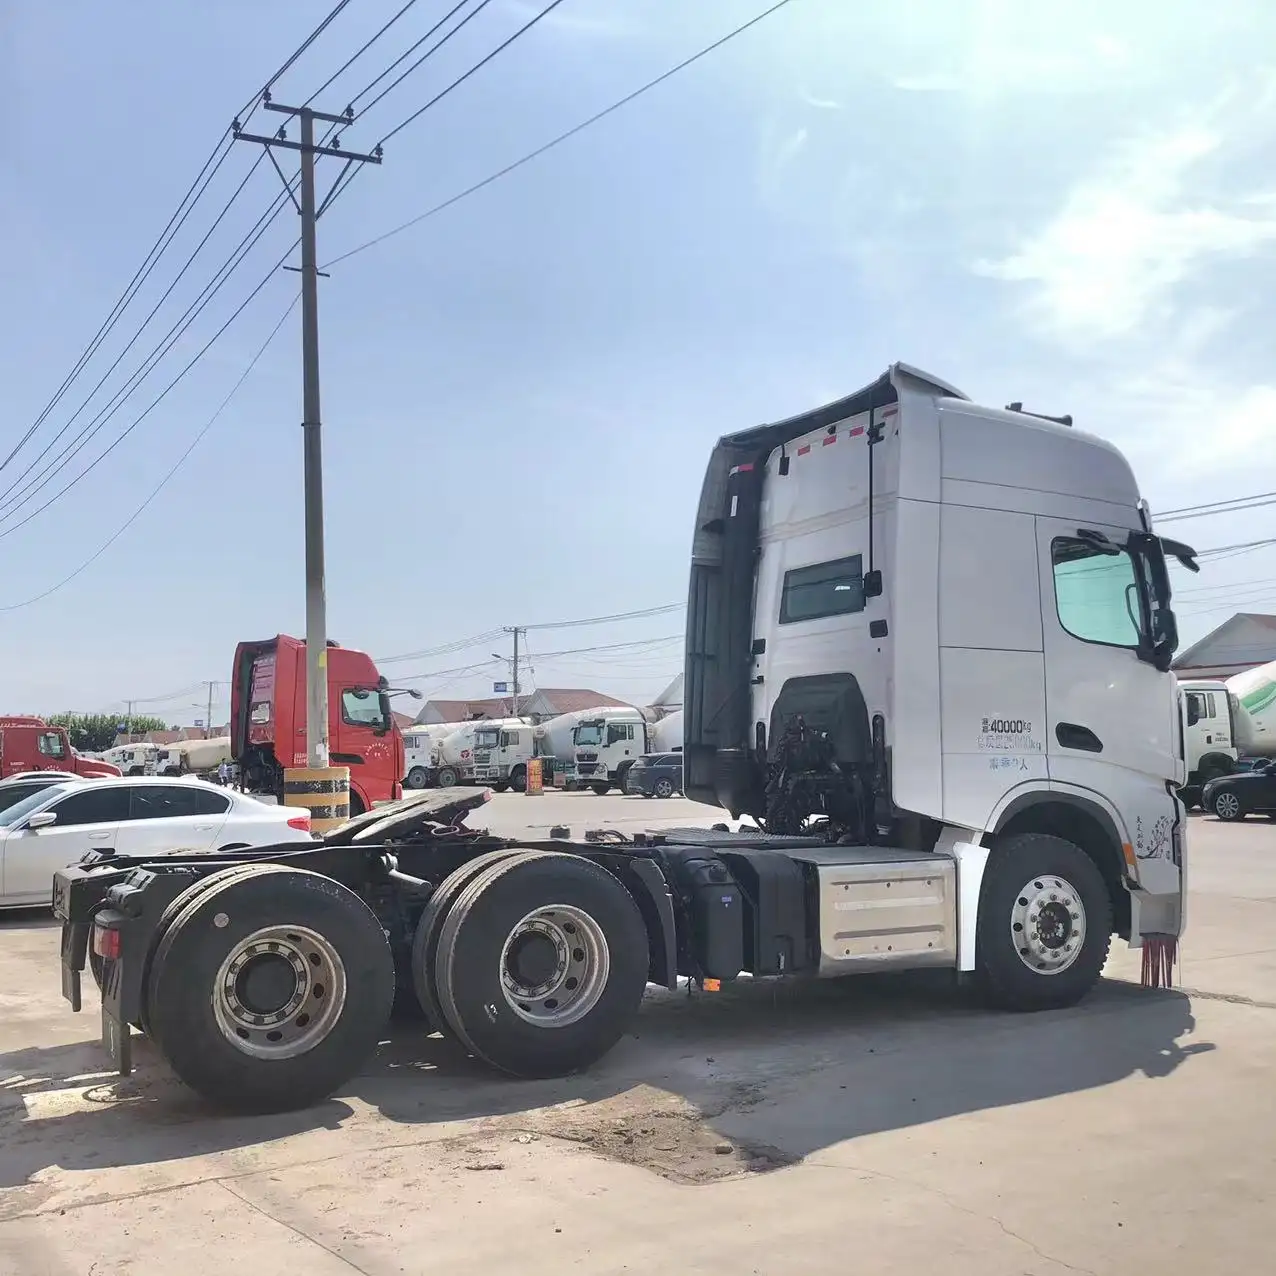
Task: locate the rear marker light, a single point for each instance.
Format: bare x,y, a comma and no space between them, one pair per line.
106,943
301,822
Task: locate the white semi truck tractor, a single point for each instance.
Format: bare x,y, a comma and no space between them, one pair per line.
928,651
941,634
1210,736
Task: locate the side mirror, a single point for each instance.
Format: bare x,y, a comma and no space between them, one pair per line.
42,819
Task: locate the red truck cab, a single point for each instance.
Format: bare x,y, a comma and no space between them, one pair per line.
31,744
268,719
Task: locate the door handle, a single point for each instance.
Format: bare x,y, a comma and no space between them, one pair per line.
1072,736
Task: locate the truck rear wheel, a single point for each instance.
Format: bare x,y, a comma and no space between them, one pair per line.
425,941
269,988
541,964
447,777
1045,923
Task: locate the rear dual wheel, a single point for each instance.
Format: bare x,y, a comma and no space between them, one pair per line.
269,987
535,961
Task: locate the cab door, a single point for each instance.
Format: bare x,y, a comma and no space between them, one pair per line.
1111,715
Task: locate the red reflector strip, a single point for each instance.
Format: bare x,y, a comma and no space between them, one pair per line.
106,943
829,438
743,469
889,411
804,449
858,429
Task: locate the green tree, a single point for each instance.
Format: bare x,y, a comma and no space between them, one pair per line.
94,732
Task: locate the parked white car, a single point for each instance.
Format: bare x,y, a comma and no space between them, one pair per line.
143,815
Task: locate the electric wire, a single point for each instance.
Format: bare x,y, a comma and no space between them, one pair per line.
556,141
119,358
159,487
159,398
408,52
478,66
358,53
10,504
186,205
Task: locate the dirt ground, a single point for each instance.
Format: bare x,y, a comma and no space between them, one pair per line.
889,1124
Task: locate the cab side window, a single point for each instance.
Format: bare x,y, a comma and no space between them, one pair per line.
50,744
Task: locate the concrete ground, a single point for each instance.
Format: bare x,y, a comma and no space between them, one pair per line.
877,1125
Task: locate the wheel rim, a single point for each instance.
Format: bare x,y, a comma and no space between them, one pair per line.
663,788
1227,806
554,966
1048,925
279,992
447,779
416,778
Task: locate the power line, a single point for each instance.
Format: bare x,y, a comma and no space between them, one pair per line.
159,487
367,88
446,649
157,400
562,137
121,396
174,224
1239,506
478,66
119,358
1209,505
358,53
605,620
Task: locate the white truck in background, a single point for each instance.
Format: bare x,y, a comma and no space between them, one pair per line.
1252,698
421,752
490,751
132,759
610,741
1209,742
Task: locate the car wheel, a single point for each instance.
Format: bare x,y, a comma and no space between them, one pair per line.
664,787
1227,806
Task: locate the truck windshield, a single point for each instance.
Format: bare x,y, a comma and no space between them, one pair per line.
364,707
1116,595
589,733
485,739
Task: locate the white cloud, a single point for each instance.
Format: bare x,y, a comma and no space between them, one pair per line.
1132,231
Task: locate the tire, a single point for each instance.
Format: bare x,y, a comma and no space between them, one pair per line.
447,777
601,789
425,941
199,1028
1227,806
622,776
583,1004
415,778
664,787
502,787
518,778
356,805
1016,972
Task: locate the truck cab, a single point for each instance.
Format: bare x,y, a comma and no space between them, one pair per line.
606,747
1209,736
31,744
268,719
945,630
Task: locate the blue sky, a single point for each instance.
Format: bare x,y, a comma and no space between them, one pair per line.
1067,203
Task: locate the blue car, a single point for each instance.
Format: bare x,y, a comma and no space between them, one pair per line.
655,775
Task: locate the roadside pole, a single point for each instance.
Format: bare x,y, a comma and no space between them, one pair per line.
324,789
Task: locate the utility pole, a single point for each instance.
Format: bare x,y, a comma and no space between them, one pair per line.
310,211
515,630
208,721
515,687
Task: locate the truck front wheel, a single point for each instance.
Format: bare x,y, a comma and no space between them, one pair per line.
518,778
416,778
1045,923
541,964
269,989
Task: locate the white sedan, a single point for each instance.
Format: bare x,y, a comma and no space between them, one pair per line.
142,815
